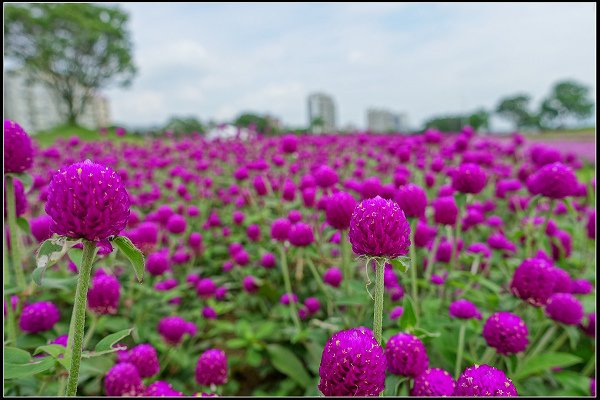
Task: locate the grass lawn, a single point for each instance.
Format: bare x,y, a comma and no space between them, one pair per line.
47,138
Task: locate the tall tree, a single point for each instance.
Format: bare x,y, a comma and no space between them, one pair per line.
184,125
516,109
568,99
480,119
74,48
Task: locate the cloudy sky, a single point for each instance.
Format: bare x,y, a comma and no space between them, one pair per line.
217,60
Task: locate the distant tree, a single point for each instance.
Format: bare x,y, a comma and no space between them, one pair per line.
568,99
74,48
480,119
184,125
317,124
451,123
263,123
516,109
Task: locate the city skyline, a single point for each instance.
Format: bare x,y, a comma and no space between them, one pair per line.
215,61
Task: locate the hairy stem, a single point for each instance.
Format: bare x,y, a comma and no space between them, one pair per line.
346,265
378,309
288,288
413,267
77,327
461,348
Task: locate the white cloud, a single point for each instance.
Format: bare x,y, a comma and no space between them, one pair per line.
214,60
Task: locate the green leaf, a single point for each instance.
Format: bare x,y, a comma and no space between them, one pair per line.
109,341
50,251
24,225
237,343
54,350
408,318
401,263
134,255
12,371
543,362
13,355
287,363
25,179
76,255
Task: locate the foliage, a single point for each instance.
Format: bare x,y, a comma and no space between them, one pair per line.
568,99
184,125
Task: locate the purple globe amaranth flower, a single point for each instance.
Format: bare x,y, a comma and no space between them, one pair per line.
484,381
534,281
564,283
301,235
268,260
564,246
555,181
176,224
173,328
312,304
333,276
280,229
424,234
379,228
412,199
87,200
259,185
295,216
209,313
18,148
591,225
253,232
21,203
396,312
581,286
40,227
325,176
211,368
123,380
445,210
352,364
464,309
340,207
103,295
249,284
434,382
145,359
242,258
469,178
39,317
506,332
158,263
195,241
289,144
161,389
285,298
62,340
564,308
205,288
406,355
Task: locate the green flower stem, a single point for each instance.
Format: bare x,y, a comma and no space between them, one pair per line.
546,221
431,260
559,342
77,327
61,386
461,348
589,367
288,288
543,341
320,283
413,267
11,329
346,264
378,310
455,237
488,356
11,212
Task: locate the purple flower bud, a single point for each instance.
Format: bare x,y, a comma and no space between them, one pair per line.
340,207
161,389
280,229
103,295
145,359
40,227
268,260
445,211
325,176
396,312
506,332
534,281
464,309
433,382
412,199
564,308
209,313
39,317
484,381
312,304
249,284
173,328
158,263
123,380
211,368
18,148
469,178
333,277
406,355
253,232
301,235
205,288
555,181
176,224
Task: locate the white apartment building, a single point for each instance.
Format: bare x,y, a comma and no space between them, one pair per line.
32,105
385,121
321,106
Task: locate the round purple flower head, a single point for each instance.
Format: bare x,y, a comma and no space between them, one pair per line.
312,304
158,263
280,229
412,199
352,364
506,332
205,288
379,228
173,328
483,380
534,281
555,181
333,276
268,260
40,227
581,286
123,380
464,309
176,224
209,313
145,359
87,200
61,340
39,317
161,389
469,178
434,382
211,368
289,143
564,308
340,207
445,210
18,149
325,176
301,235
104,294
249,284
406,355
396,312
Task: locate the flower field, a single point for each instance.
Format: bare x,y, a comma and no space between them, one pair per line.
336,265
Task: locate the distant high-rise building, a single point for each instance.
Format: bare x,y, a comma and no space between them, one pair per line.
32,105
384,121
321,113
